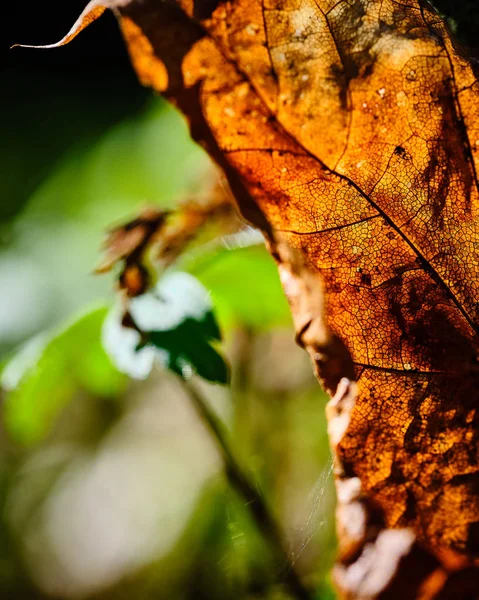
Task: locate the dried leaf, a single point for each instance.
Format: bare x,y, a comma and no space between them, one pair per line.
128,244
93,10
349,132
192,218
165,235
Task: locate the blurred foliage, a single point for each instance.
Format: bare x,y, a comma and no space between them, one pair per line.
91,187
111,488
251,297
42,379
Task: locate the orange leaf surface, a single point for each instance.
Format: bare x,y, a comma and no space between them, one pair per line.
349,133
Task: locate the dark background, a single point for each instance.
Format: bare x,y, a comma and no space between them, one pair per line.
43,91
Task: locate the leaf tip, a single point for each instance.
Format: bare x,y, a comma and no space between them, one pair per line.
92,11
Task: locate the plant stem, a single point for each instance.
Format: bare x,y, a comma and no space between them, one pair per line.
254,502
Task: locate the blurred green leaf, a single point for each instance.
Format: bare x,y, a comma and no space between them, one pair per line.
325,591
71,360
188,345
245,287
174,324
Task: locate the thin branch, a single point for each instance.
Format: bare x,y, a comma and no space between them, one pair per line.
254,502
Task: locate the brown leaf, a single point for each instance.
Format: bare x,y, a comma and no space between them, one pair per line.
165,235
194,217
93,10
349,132
128,244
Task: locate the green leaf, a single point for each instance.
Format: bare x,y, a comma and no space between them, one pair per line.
188,346
70,360
245,287
178,328
211,327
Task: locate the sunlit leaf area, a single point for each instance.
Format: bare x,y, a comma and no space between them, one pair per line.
112,483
